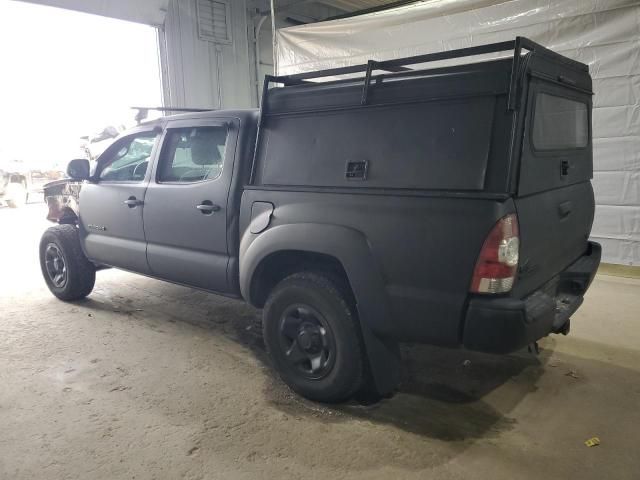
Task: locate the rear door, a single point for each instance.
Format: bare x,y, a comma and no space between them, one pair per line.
186,215
555,202
111,205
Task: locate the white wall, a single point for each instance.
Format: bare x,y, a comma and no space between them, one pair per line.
199,73
202,74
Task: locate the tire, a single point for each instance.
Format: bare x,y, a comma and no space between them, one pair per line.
305,313
66,271
16,195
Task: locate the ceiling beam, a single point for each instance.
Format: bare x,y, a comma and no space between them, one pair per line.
378,8
331,4
282,6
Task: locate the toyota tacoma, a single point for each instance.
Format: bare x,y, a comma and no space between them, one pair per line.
450,206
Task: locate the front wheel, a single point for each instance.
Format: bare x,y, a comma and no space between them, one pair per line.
313,338
66,270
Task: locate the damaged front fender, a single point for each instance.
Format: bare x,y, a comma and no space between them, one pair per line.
62,197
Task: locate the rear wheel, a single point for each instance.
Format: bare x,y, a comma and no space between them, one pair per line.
313,338
16,194
67,272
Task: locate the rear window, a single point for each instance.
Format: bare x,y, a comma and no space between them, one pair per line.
559,123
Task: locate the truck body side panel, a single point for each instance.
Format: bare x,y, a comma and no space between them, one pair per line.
408,146
431,160
422,248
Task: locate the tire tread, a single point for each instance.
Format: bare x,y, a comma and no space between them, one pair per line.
81,273
348,384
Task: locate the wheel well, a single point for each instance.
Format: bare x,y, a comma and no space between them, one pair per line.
279,265
68,216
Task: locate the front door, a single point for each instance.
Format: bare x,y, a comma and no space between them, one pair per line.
112,203
185,214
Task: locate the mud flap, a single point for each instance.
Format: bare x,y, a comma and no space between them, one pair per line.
385,363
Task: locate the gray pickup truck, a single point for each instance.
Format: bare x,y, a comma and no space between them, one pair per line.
450,206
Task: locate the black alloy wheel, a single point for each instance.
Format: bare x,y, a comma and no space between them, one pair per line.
313,337
55,265
307,341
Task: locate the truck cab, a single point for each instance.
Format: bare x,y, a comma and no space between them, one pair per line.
180,172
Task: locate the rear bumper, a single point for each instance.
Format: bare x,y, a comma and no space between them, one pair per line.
503,325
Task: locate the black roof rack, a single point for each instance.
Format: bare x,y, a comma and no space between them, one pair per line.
144,111
400,65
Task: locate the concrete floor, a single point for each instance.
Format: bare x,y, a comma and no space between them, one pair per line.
149,380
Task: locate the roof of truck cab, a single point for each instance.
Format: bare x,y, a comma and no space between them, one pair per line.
241,114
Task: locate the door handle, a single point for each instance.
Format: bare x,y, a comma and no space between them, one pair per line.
208,207
133,202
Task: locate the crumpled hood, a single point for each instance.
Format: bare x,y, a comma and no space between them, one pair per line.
62,198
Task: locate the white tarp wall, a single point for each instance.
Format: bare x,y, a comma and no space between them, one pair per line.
605,34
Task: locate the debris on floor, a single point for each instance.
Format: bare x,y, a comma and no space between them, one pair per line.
592,442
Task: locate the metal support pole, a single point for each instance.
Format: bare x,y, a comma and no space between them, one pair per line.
273,37
256,43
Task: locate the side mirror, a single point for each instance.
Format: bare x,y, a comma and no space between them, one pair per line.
79,169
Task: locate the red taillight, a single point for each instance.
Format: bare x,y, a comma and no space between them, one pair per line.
498,260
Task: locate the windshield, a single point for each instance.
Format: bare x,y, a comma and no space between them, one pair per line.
129,163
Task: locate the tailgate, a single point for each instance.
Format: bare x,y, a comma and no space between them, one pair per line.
555,202
554,229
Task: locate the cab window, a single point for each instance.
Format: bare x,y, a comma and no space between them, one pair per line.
129,159
193,154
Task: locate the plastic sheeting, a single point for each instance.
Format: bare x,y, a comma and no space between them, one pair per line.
605,34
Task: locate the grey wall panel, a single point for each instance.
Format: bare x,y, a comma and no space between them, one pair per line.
204,74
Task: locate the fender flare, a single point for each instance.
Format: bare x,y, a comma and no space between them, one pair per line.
351,248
